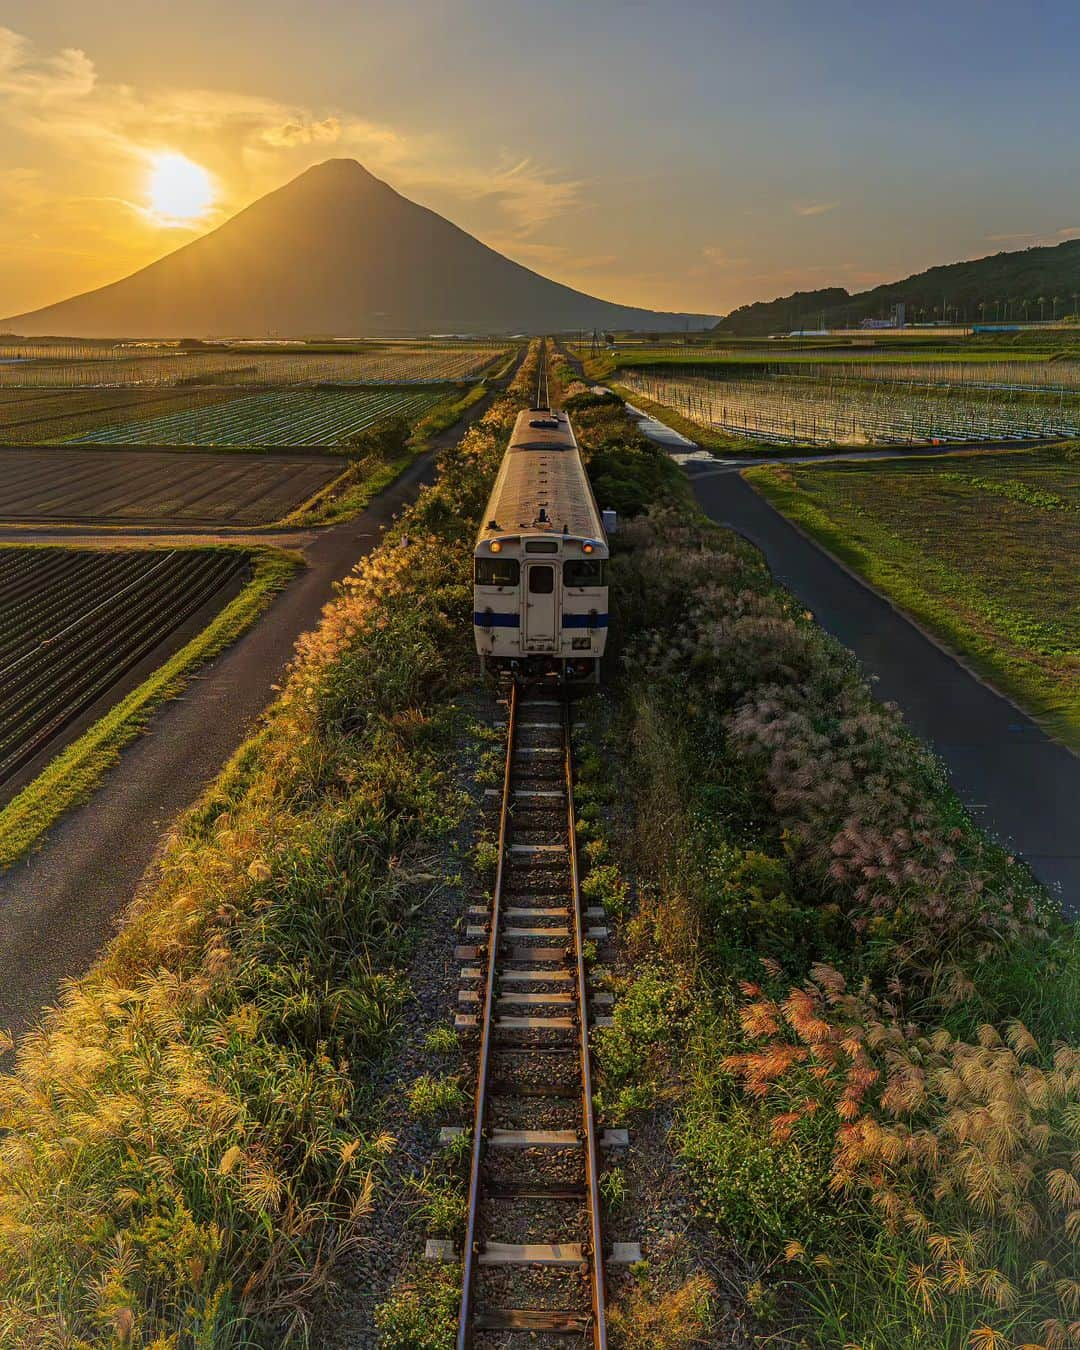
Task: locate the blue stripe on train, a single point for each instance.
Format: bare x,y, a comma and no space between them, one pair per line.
489,619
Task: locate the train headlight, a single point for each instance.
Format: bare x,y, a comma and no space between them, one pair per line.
587,547
495,546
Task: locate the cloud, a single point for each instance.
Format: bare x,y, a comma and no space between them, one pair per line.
305,132
814,208
247,140
1033,240
529,195
719,257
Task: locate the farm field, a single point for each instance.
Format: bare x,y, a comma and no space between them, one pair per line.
135,486
299,417
980,549
74,621
38,416
383,364
830,405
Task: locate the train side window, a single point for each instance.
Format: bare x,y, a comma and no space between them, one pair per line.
497,572
541,580
583,572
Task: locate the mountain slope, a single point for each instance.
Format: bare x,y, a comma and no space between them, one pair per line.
335,252
1018,277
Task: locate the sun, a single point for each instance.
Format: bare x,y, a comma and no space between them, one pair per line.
180,190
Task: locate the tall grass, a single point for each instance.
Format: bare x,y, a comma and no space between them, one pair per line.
188,1143
870,1008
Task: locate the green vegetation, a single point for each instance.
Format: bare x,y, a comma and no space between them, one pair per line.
73,774
189,1140
1032,283
430,1096
981,551
862,1012
39,416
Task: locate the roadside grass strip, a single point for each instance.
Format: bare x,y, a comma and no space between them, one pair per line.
984,560
189,1141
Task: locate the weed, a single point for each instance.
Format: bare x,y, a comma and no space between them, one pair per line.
429,1096
422,1314
441,1040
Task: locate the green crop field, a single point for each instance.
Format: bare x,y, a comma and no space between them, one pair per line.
286,418
981,549
41,416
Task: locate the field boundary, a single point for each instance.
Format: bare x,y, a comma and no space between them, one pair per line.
70,777
818,529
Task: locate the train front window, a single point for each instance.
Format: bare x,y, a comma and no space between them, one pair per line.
583,572
541,580
497,571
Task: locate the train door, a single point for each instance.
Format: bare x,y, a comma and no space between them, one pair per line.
541,598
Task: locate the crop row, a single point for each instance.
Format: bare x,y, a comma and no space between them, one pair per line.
293,417
389,365
796,409
73,622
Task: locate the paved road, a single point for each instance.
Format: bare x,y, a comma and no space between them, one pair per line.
1018,783
59,906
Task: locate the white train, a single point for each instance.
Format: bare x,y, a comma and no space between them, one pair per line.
540,596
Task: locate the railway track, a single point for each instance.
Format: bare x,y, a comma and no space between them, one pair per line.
533,1260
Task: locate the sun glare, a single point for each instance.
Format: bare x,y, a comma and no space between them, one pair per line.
180,190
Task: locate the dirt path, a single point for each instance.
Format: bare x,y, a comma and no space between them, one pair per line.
59,906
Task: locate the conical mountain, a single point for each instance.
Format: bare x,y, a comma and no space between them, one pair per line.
335,252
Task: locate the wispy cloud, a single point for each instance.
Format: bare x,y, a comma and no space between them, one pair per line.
719,257
814,208
1061,236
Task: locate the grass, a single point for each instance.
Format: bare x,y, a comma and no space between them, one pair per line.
189,1141
979,551
833,986
75,772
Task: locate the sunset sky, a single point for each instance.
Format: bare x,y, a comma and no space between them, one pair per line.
681,156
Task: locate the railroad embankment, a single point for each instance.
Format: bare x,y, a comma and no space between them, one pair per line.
190,1140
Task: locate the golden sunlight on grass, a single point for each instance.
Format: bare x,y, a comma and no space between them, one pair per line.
179,189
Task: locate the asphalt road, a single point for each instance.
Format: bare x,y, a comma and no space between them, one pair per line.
1018,783
59,906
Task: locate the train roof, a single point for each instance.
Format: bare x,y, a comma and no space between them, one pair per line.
542,474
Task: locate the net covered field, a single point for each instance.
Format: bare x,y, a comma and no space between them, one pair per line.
836,405
73,622
291,417
982,548
148,487
389,364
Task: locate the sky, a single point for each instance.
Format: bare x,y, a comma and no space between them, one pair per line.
689,156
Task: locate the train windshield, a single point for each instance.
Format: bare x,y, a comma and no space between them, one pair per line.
497,571
583,572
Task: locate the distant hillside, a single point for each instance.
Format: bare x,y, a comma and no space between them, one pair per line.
335,252
1029,280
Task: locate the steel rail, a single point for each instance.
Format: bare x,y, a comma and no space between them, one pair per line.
487,1019
592,1179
